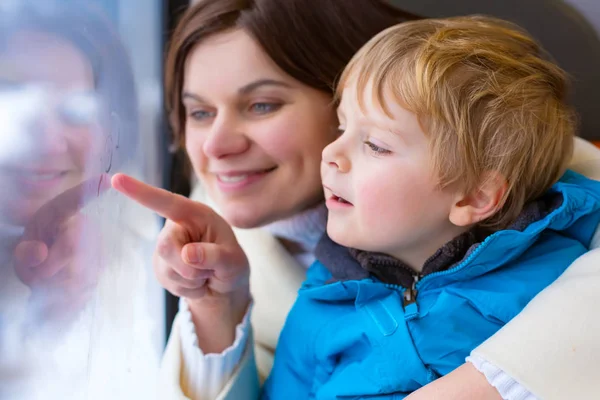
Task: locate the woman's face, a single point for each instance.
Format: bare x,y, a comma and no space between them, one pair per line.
52,127
254,135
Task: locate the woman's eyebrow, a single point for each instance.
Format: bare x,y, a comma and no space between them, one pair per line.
246,89
262,82
187,95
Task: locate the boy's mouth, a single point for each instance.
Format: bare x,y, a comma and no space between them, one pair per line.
334,199
339,199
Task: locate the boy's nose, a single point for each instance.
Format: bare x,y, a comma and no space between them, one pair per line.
334,157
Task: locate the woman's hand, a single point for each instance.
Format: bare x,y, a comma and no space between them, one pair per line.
197,257
56,252
464,383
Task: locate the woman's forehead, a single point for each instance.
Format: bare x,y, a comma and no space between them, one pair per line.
229,60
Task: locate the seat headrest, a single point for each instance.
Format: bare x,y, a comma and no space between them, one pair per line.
563,31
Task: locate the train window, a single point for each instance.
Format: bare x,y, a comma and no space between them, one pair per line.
81,315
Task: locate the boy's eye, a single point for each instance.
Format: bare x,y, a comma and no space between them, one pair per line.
376,149
264,108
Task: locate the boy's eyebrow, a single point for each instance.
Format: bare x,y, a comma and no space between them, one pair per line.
396,131
378,125
369,122
402,135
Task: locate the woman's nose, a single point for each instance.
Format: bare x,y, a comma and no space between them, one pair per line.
226,138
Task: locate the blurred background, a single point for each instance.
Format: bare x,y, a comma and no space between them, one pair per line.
81,99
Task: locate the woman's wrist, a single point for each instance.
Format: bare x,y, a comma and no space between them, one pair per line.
464,383
216,318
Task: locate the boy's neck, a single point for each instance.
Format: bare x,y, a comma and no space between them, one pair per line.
391,269
416,258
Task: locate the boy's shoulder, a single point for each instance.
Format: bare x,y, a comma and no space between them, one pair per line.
566,217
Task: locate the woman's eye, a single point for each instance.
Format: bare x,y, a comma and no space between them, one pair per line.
200,115
377,149
264,108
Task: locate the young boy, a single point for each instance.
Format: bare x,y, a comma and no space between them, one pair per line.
446,206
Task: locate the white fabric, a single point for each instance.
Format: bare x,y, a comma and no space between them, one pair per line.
507,386
205,375
243,384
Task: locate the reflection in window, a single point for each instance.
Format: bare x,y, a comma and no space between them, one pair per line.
79,310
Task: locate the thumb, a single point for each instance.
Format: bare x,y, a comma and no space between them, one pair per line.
225,260
30,253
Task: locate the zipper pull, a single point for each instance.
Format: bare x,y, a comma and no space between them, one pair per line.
410,295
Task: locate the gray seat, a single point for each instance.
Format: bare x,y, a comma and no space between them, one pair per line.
569,37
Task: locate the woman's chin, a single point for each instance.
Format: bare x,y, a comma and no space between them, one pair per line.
243,219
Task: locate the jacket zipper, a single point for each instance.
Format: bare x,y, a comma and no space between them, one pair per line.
410,294
459,266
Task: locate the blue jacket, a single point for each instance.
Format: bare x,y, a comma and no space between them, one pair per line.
355,339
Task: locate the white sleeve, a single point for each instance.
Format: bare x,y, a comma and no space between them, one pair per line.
506,385
203,376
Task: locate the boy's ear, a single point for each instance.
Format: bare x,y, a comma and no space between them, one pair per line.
481,203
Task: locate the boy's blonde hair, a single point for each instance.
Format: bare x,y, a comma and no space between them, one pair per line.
484,94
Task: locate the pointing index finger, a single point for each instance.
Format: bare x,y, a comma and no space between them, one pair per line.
169,205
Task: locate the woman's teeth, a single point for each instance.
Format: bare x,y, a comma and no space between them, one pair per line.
241,177
232,178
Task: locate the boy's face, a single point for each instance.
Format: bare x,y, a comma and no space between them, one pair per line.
380,187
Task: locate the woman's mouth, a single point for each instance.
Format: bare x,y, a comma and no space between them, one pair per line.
236,180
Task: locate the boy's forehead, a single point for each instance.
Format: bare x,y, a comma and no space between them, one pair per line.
365,106
360,102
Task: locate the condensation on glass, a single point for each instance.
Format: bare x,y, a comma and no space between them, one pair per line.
80,313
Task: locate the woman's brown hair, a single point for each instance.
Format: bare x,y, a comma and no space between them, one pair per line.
311,40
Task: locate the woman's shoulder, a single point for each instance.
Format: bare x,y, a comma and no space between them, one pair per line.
586,159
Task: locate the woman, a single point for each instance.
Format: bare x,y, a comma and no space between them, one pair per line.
68,88
248,87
